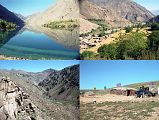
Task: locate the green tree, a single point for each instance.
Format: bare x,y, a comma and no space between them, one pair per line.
155,26
128,29
108,51
153,40
86,55
131,45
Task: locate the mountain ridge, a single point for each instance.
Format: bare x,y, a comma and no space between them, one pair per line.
9,16
124,11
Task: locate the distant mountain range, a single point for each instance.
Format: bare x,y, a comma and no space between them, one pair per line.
5,14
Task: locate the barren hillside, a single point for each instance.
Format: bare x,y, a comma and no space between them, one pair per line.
116,12
62,10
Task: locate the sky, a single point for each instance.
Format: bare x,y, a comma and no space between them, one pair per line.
27,7
149,4
109,73
36,65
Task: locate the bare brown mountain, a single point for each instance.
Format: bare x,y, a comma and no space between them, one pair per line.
62,10
63,84
115,12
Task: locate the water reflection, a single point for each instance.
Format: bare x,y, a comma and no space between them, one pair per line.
40,43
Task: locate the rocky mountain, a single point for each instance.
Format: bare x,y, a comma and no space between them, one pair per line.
63,84
62,10
35,78
62,106
5,14
15,103
20,16
115,12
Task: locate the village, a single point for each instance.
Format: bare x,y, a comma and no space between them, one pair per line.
91,42
121,103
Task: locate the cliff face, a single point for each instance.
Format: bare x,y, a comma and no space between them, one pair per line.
14,102
63,84
9,16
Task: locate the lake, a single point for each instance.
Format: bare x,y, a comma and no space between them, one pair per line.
43,44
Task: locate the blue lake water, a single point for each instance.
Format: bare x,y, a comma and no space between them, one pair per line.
32,45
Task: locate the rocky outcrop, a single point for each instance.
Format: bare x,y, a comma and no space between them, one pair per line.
9,16
63,84
14,102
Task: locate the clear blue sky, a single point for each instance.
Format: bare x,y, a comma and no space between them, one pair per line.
149,4
36,65
27,7
108,73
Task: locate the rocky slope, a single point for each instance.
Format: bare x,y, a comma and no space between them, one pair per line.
15,103
86,26
63,84
63,106
62,10
115,12
5,14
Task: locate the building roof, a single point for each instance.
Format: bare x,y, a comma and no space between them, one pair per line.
123,88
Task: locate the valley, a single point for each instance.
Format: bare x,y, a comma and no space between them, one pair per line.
53,97
115,29
31,40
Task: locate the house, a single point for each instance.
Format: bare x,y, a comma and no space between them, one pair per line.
123,91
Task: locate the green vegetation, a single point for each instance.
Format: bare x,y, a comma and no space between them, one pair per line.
154,41
108,51
7,26
130,46
100,22
100,31
67,25
155,26
128,29
87,55
135,45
